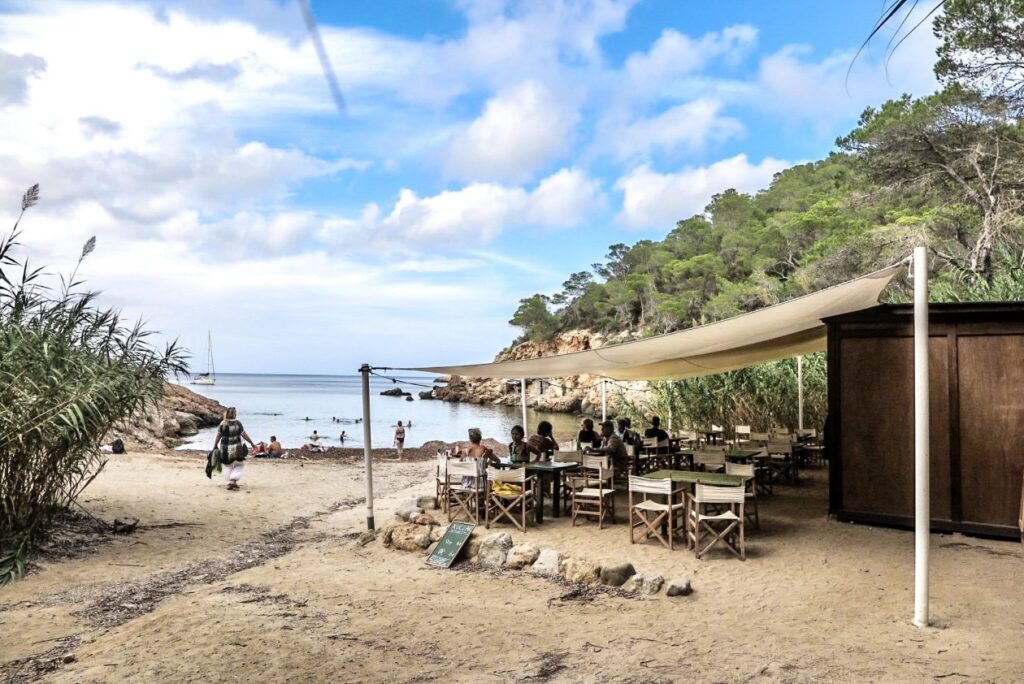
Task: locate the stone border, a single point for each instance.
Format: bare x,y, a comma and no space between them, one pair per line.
414,530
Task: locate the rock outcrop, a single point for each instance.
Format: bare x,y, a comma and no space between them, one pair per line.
580,394
179,413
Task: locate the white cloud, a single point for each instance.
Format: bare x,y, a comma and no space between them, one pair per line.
689,127
674,55
652,199
476,213
15,72
520,130
799,87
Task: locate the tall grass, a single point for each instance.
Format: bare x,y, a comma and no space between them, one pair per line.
761,396
69,370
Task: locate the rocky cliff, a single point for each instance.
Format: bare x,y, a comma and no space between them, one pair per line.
576,394
179,413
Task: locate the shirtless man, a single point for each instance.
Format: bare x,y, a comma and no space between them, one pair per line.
275,447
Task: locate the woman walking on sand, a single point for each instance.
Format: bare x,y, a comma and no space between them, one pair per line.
228,449
400,440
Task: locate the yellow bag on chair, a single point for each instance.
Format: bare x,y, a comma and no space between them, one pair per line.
507,489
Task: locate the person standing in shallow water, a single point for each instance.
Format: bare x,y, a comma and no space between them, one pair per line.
400,440
228,449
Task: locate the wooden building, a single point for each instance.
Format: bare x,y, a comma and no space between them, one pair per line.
977,416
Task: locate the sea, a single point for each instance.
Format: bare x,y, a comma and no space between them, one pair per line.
292,406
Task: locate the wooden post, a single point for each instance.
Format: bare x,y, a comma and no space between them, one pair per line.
364,371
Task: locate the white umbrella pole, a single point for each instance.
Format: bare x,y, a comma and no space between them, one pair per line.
604,400
522,397
364,370
800,392
922,512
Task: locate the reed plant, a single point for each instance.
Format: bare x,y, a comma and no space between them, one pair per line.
761,396
69,371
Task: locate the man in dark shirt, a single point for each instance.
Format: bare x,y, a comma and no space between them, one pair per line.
613,446
655,431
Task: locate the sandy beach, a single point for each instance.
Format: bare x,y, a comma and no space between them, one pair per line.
269,582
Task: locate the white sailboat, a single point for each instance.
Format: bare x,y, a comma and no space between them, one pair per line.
210,376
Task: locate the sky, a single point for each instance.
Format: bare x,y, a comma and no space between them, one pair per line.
487,150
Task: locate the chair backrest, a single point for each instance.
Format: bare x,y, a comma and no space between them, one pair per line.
572,456
463,469
688,435
716,428
517,475
647,485
713,494
709,457
631,450
759,436
777,447
739,469
742,431
663,444
650,441
596,462
567,446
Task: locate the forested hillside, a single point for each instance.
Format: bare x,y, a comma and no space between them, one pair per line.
946,171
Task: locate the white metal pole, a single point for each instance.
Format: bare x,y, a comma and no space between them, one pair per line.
604,400
670,415
922,501
522,396
364,370
800,392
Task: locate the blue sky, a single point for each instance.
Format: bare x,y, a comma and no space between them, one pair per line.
489,149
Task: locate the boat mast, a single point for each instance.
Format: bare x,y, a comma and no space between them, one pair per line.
209,352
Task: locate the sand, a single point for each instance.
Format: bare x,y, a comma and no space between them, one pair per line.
268,583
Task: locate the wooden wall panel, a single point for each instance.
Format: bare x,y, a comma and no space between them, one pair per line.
991,379
877,431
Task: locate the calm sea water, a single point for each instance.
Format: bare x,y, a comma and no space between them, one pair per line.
280,405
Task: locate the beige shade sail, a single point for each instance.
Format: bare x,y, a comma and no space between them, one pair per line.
774,332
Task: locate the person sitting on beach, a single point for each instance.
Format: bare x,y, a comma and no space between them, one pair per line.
519,450
613,446
274,449
400,440
543,441
260,450
314,443
588,435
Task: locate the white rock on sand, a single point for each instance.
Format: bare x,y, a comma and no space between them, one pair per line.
494,549
522,555
644,583
581,570
548,563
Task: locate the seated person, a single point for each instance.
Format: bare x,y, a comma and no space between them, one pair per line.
314,443
612,446
625,433
544,442
519,450
587,435
476,452
655,431
259,450
274,449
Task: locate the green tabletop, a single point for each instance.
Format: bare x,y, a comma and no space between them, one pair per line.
693,477
732,453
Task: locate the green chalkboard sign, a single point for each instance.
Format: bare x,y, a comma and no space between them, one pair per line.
447,549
